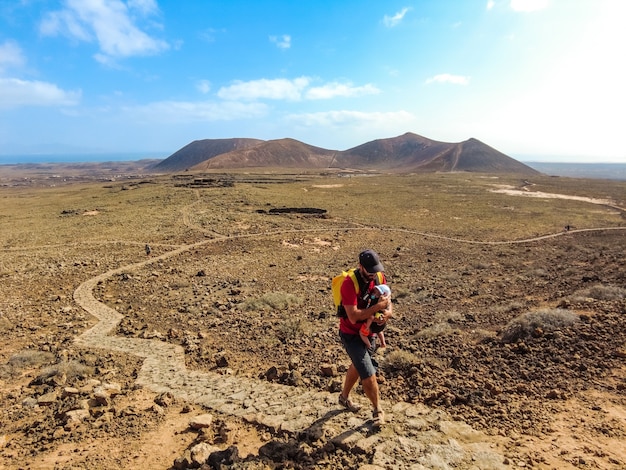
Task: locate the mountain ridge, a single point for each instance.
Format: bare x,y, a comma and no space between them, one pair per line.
408,152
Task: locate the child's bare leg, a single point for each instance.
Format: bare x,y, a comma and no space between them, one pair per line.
366,340
381,336
364,332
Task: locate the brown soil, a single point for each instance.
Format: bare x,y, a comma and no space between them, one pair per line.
249,297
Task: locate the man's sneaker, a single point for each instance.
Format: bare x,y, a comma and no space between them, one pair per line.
348,405
379,417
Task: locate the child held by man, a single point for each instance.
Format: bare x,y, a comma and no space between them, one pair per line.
371,331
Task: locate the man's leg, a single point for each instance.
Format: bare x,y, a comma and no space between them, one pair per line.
370,387
352,376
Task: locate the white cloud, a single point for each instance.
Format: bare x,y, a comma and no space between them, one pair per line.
109,23
210,34
64,22
277,89
17,93
448,78
331,90
292,90
203,86
146,7
391,21
490,4
282,42
186,111
528,5
331,118
11,56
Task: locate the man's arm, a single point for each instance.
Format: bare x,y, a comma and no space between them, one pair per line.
387,312
356,315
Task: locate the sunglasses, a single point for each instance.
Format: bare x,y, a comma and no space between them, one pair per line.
369,276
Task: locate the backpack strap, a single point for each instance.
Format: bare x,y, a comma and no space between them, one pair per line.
355,280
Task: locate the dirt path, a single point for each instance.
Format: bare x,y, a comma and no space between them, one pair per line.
280,407
418,434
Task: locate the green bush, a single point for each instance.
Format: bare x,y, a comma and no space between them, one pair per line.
534,323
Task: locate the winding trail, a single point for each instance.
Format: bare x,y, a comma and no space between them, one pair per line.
417,435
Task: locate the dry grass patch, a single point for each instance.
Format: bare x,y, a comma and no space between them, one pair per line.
30,358
291,329
401,360
23,360
600,292
536,323
68,369
442,326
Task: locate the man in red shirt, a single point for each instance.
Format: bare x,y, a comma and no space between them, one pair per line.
354,311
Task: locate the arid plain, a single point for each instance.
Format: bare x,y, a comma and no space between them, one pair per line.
507,350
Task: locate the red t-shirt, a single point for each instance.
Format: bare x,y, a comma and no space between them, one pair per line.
349,297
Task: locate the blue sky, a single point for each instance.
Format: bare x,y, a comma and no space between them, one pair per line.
536,79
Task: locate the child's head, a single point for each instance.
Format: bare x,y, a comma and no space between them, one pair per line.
382,289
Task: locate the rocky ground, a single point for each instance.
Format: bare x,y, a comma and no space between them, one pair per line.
524,343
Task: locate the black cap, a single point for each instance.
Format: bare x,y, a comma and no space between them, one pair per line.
370,261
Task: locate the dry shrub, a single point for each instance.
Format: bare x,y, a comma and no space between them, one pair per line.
401,360
442,325
290,329
480,265
436,329
273,301
529,323
29,358
600,292
71,369
538,272
513,306
22,360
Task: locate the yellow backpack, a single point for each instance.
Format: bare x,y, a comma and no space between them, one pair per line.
338,281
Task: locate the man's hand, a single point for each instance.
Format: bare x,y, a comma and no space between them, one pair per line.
384,304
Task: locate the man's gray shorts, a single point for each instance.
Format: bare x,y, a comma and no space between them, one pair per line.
362,359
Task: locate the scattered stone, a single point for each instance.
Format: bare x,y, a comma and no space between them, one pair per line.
29,402
329,370
70,392
221,360
271,374
294,362
200,453
75,417
187,408
47,399
201,421
157,410
165,399
224,458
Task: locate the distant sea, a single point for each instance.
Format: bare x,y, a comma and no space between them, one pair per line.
613,171
80,157
616,171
